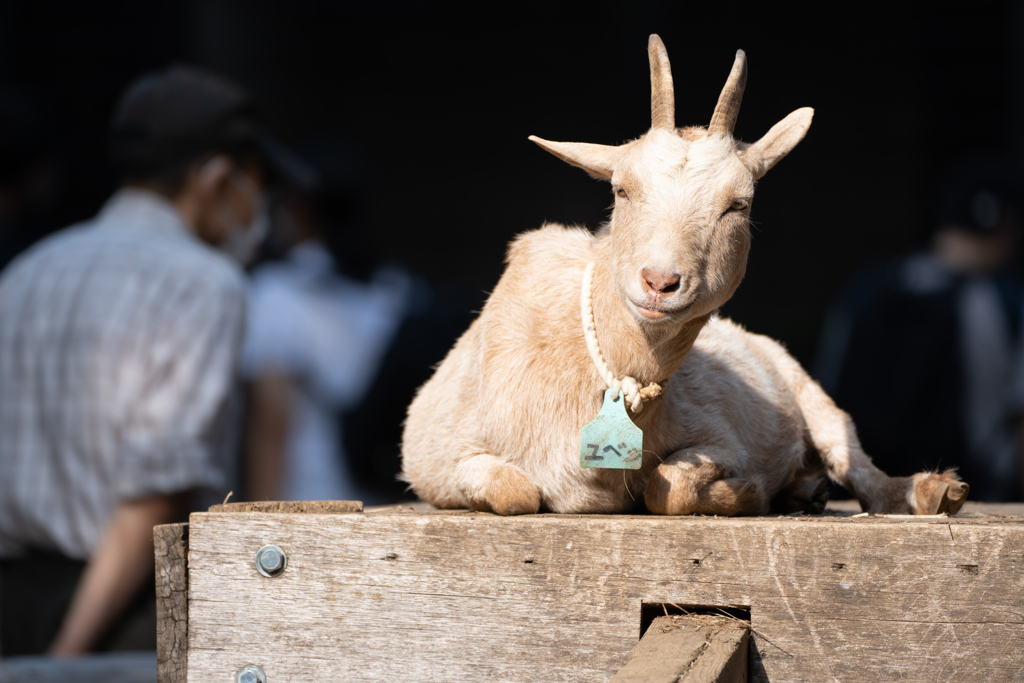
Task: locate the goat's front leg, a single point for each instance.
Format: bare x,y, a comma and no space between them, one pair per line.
834,436
490,485
691,482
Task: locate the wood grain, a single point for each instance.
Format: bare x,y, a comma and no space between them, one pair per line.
319,507
456,597
689,649
170,546
725,659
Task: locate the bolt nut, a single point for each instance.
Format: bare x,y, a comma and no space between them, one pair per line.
271,561
250,674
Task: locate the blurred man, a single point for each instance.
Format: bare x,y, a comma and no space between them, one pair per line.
926,352
118,342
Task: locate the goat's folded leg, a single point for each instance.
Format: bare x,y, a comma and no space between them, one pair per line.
834,436
690,482
490,485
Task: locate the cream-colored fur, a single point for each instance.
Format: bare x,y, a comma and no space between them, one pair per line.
739,424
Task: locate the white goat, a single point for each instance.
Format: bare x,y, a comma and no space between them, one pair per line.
738,425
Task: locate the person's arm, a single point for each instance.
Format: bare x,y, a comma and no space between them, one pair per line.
174,427
116,571
267,434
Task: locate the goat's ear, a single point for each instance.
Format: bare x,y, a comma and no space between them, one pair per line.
778,142
597,160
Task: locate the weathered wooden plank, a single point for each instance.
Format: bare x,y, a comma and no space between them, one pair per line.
444,597
689,649
170,546
320,507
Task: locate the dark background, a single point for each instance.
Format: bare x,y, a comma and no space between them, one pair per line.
436,99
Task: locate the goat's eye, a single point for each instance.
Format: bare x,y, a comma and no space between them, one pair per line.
739,205
619,192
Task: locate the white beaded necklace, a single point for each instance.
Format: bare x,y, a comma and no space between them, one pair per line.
635,395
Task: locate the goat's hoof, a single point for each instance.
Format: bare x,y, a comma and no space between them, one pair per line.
957,495
816,496
510,492
935,494
805,495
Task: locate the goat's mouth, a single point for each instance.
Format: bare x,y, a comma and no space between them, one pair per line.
655,312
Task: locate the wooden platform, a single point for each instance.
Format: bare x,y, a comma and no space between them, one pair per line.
403,594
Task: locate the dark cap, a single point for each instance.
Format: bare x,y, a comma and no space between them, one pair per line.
977,192
167,119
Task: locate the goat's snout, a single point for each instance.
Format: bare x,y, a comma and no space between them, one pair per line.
659,283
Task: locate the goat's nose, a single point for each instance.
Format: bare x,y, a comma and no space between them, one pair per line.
659,281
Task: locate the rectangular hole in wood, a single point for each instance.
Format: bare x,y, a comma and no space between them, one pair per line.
649,611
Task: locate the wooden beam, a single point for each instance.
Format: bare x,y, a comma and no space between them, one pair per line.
472,596
725,660
170,546
689,649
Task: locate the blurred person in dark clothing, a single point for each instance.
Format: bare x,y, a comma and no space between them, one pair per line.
926,352
28,173
119,339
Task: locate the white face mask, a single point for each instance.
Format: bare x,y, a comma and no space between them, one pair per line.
242,241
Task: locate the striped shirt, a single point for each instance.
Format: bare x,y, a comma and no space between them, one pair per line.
119,340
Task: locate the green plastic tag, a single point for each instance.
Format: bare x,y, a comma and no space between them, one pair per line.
612,440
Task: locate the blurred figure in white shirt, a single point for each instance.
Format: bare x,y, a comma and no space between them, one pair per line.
315,341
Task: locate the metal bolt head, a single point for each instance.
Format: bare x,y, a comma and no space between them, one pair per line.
250,674
271,561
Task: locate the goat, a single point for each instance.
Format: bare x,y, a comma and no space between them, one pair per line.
738,424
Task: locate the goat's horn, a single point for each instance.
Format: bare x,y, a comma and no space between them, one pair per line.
728,108
663,99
